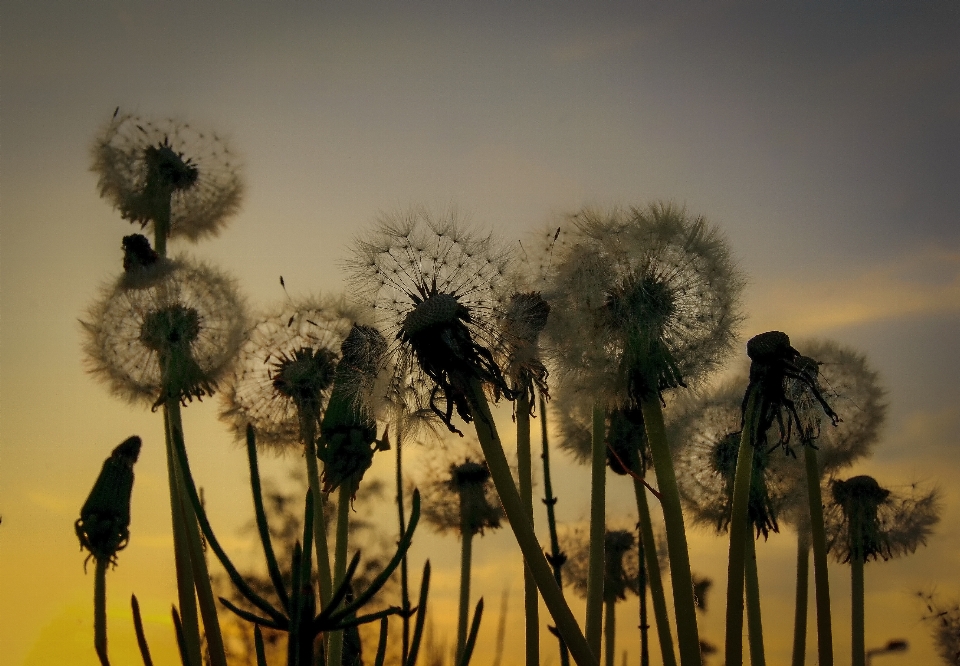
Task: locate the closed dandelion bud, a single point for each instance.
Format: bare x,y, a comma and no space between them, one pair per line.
348,432
154,170
104,524
173,337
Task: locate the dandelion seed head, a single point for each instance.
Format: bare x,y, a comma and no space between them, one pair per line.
175,336
438,290
286,367
646,299
621,569
866,521
144,165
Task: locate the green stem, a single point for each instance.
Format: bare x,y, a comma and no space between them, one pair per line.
531,598
523,529
185,586
319,526
642,594
404,580
201,577
858,643
655,581
100,610
800,612
161,229
739,533
754,623
340,562
466,555
598,527
684,605
609,630
821,578
551,503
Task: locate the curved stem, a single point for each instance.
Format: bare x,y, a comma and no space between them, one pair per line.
609,631
688,636
754,623
466,554
821,578
654,579
598,491
531,598
551,501
739,533
100,610
523,528
800,611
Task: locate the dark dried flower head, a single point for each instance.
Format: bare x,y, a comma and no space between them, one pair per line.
173,337
626,436
461,495
146,167
621,568
780,377
285,370
866,521
644,300
104,524
705,438
524,319
437,290
348,432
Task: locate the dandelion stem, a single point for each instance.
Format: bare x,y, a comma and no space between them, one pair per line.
598,478
198,562
819,540
551,502
642,594
653,574
100,610
688,636
609,630
856,592
319,527
739,533
340,561
531,598
404,579
185,586
803,583
523,528
754,624
466,554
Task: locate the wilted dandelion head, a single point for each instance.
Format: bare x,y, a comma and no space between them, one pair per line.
621,563
173,337
705,438
625,438
786,389
145,166
437,288
645,300
460,494
286,368
848,384
866,521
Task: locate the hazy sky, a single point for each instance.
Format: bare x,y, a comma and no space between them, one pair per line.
825,141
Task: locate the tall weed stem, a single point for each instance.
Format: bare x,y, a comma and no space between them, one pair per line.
598,527
821,579
531,598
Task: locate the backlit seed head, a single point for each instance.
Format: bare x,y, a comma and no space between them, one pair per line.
457,487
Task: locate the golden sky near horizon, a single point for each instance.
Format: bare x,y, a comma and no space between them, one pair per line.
825,143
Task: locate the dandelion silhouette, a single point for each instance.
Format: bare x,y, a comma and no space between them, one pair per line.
174,337
165,173
868,522
944,620
523,321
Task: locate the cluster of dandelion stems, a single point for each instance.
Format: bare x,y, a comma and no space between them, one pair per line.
640,303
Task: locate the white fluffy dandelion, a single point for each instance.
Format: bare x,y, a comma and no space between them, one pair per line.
167,172
174,336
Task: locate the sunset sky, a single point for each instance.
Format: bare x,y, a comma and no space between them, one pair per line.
825,142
